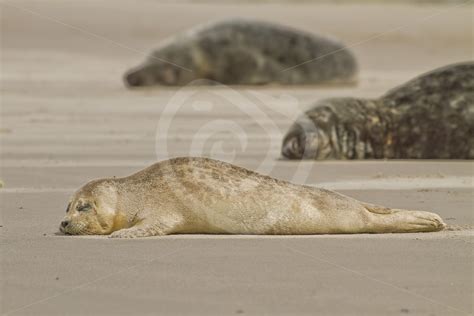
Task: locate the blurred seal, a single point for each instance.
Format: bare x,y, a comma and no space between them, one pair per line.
246,52
200,195
430,117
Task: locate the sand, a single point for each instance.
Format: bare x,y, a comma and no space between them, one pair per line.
67,118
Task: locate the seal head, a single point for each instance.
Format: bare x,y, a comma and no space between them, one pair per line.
92,210
157,73
306,140
338,128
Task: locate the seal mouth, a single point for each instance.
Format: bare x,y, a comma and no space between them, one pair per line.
72,230
63,231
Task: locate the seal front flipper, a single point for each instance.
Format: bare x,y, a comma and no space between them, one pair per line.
149,227
133,232
141,230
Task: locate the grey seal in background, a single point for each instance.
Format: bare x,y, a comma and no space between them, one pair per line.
430,117
246,52
200,195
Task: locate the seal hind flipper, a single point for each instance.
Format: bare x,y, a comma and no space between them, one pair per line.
392,220
404,221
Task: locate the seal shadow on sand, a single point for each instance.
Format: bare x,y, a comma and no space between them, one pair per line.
451,231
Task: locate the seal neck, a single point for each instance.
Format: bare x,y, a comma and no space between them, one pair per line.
126,209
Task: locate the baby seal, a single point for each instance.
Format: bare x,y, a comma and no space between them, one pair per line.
430,117
200,195
246,52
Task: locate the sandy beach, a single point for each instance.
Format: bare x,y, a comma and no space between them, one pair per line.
67,118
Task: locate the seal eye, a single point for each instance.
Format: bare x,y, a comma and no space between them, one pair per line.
84,207
68,206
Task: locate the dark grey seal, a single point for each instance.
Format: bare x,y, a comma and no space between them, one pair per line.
246,52
430,117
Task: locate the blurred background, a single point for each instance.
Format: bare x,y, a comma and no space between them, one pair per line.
63,62
67,117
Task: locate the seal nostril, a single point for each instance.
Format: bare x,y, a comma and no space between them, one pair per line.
64,224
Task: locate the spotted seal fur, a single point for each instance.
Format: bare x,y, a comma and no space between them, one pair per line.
200,195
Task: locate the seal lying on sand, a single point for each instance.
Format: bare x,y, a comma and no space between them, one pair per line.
430,117
246,52
200,195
